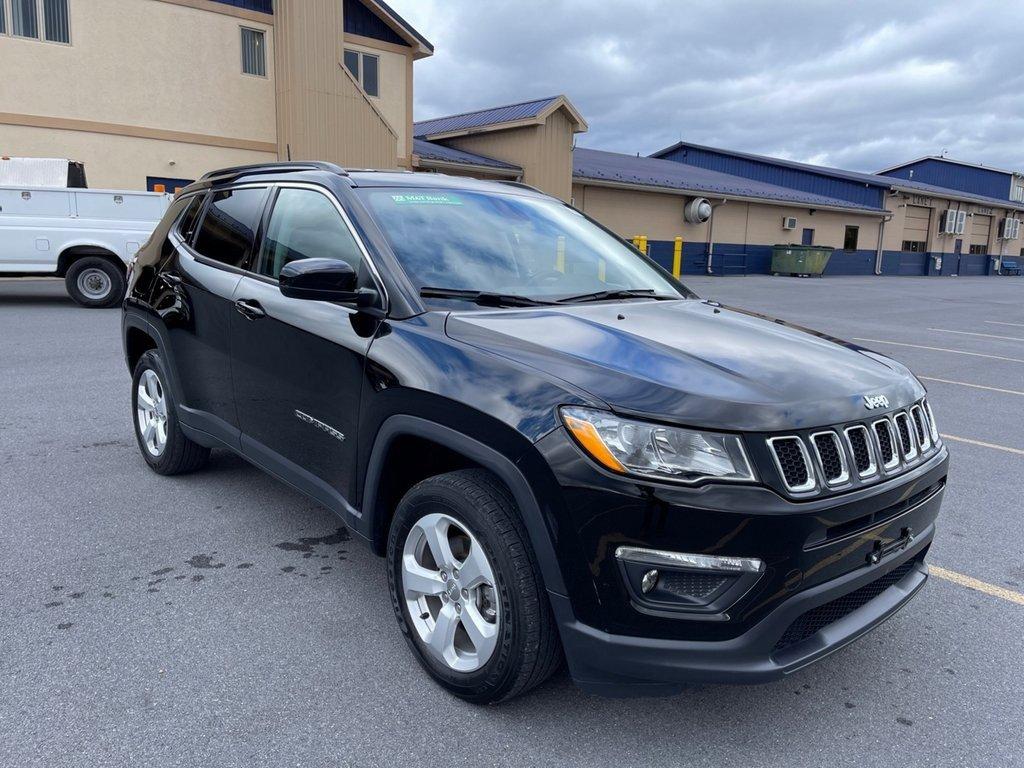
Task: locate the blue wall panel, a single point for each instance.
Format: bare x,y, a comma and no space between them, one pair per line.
860,262
360,20
980,181
794,178
263,6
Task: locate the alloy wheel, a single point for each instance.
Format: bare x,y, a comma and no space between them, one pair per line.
151,412
449,592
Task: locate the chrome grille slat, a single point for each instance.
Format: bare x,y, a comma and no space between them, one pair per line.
907,438
861,450
885,441
794,468
924,438
831,459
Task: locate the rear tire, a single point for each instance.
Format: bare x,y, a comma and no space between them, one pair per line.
525,649
95,282
163,445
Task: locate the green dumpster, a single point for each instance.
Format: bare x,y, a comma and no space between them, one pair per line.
800,260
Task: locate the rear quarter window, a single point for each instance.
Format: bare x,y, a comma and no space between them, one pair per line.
228,228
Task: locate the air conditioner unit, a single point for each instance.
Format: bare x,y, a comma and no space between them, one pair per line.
1010,229
953,222
789,222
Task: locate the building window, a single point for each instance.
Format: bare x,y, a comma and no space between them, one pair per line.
850,239
254,53
914,246
365,68
978,249
1018,193
25,15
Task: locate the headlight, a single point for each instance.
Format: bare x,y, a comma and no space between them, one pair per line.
656,451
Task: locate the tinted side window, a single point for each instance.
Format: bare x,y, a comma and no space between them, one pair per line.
305,224
189,219
229,226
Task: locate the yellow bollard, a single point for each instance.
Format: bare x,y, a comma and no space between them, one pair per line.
643,244
560,254
600,270
677,257
636,241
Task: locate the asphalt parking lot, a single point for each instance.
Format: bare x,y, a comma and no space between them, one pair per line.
221,619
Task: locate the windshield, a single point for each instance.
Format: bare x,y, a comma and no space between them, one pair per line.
507,244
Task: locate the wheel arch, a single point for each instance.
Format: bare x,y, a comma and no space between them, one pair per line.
75,251
377,512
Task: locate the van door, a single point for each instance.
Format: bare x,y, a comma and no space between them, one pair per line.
32,223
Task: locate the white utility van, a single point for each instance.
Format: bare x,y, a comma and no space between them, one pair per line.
86,236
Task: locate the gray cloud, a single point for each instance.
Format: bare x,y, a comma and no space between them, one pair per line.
858,85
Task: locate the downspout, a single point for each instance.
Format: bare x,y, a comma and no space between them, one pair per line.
881,231
711,229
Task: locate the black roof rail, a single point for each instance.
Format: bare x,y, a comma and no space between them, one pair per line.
241,170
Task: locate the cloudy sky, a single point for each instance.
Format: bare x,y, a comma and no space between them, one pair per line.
858,85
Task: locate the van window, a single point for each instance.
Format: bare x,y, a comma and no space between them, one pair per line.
229,226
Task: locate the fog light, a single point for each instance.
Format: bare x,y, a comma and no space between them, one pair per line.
649,581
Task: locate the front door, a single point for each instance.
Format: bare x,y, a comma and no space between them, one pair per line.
200,282
298,364
958,248
808,237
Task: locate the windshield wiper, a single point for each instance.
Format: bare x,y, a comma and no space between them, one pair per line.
621,293
484,298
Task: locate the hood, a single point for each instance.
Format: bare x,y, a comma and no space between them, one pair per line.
693,362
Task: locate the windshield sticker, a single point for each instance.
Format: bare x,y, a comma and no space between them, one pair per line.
426,200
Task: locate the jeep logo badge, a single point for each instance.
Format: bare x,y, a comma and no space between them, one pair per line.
875,401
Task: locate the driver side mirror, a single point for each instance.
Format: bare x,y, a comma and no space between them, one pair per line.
324,280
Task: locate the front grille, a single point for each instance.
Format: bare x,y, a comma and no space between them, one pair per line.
906,439
876,449
816,619
861,450
791,459
833,465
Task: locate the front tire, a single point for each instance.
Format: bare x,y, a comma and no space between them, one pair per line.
95,282
466,589
163,445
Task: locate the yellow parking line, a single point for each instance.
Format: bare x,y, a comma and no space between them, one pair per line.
997,322
979,586
970,333
941,349
976,386
983,444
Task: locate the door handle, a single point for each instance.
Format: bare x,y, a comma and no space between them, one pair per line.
250,309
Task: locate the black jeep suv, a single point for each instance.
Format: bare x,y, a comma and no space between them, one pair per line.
559,448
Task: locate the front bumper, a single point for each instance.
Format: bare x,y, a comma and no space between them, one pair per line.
835,569
621,665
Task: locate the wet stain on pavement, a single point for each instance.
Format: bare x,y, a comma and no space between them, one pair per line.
306,544
204,561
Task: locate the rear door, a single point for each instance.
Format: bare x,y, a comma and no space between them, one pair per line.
298,364
207,263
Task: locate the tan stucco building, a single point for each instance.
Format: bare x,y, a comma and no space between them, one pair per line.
144,91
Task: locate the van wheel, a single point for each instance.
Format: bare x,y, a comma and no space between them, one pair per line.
163,445
95,282
466,590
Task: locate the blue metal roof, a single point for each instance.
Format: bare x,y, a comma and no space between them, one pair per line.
853,186
653,172
482,117
942,172
435,151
